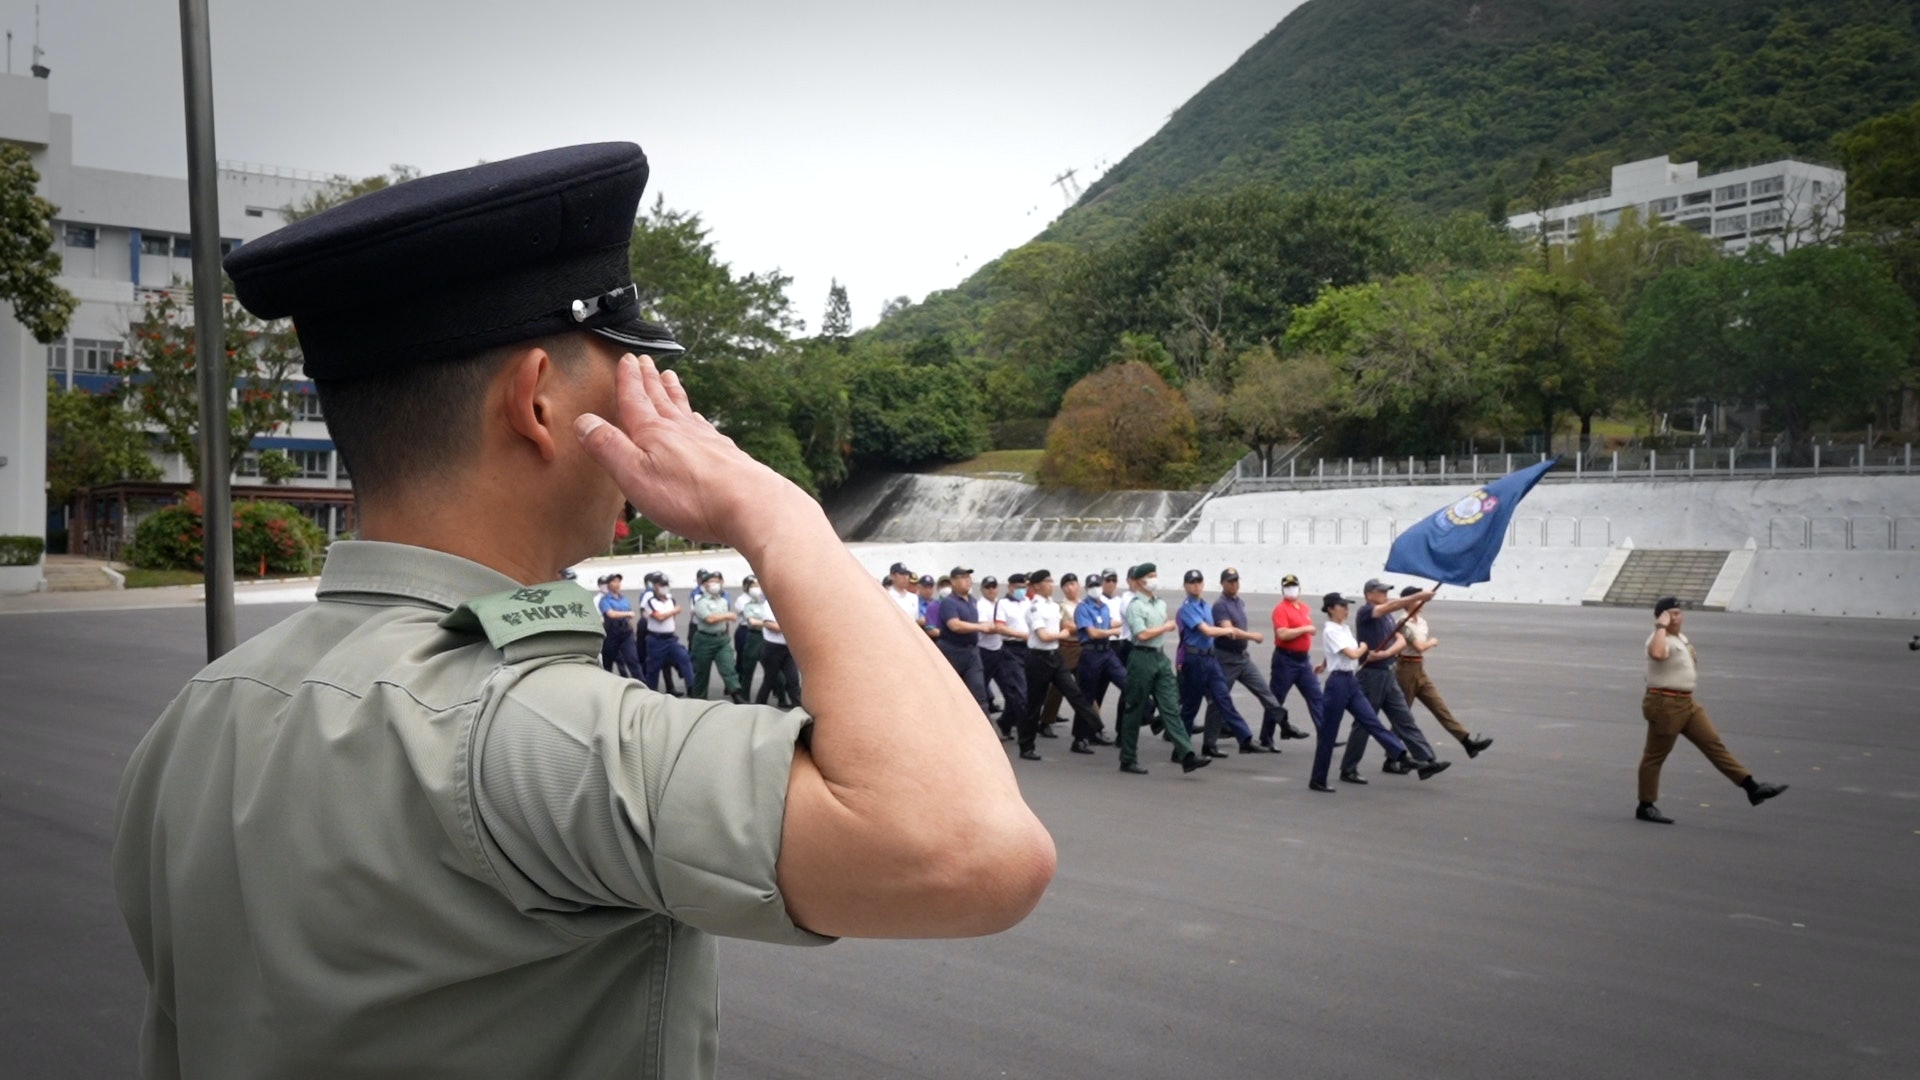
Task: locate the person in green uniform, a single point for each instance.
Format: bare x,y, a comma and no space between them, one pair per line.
1150,676
712,633
414,829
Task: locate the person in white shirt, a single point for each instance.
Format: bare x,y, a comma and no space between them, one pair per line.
992,663
1004,650
901,590
1045,671
665,650
780,675
1344,655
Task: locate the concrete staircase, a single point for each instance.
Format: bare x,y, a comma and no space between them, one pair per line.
75,573
1649,574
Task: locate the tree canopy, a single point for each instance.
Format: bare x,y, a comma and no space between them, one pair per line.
28,263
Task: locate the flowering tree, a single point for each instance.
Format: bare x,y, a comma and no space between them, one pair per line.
160,361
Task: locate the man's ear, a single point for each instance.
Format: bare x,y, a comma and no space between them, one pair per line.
530,384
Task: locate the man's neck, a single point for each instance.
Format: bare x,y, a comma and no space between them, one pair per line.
527,556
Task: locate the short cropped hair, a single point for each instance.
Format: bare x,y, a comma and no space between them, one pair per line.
420,421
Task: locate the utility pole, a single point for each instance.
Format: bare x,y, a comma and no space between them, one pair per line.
210,356
1069,187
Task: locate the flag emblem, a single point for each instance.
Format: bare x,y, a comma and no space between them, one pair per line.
1469,510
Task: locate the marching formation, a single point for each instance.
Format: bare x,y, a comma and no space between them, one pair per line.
1036,644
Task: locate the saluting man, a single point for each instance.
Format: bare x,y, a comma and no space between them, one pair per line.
1672,713
1150,676
414,829
712,635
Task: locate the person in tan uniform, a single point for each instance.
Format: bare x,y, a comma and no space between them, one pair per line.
1672,713
415,829
1416,685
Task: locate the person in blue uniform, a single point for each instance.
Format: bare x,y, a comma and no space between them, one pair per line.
1099,634
619,649
1201,681
959,641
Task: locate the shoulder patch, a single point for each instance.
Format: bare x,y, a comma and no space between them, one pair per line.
506,617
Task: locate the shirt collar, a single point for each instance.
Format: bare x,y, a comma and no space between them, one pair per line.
405,572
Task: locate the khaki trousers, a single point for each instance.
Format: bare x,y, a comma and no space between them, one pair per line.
1670,718
1415,685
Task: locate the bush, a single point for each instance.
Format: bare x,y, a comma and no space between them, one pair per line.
272,534
21,550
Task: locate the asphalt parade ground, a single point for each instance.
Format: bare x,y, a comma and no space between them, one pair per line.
1507,918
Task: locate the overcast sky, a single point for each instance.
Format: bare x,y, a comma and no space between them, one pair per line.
895,146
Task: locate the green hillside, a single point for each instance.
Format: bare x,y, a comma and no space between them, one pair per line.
1443,104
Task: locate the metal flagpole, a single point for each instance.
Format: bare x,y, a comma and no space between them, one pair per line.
210,357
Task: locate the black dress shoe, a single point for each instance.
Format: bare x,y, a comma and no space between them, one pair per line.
1352,778
1193,761
1269,747
1760,793
1156,726
1434,768
1650,812
736,697
1214,752
1133,767
1318,785
993,706
1080,747
1399,766
1099,740
1293,733
1256,748
1476,744
1029,755
1047,732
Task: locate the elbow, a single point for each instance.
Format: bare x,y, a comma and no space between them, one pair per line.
998,871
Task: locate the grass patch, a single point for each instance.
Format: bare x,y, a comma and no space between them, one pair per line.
150,579
1024,462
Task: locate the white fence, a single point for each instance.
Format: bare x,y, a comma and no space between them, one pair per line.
1637,463
1863,532
1524,530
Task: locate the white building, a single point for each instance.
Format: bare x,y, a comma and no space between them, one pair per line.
1780,204
121,235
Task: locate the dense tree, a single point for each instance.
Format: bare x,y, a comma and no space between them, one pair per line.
28,263
838,320
162,364
1563,340
1810,335
93,439
1273,400
1121,427
904,414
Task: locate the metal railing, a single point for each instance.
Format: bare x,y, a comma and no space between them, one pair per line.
1547,530
1859,532
1022,528
1631,464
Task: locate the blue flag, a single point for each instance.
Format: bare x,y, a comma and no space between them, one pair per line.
1456,544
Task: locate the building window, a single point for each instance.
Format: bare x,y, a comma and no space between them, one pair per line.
1768,219
155,243
254,211
313,463
1698,224
1732,223
1556,225
1772,185
82,236
183,247
1664,206
339,466
249,464
57,356
1696,198
1730,193
306,406
96,357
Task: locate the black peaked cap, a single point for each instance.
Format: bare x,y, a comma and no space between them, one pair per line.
450,265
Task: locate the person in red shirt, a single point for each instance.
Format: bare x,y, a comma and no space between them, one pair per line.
1292,666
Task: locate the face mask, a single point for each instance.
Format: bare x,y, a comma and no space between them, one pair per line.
1149,584
1020,593
712,589
756,593
1291,592
946,592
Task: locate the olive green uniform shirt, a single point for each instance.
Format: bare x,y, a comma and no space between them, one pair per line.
410,832
1145,613
711,605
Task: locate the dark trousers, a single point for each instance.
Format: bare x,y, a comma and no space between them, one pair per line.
966,663
1045,669
712,651
620,652
665,651
1238,667
1100,667
1010,675
1291,671
1344,695
779,675
1069,653
1383,693
1203,683
1006,668
748,644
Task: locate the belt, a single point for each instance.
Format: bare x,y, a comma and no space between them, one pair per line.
1021,645
1663,692
1094,646
1412,659
1302,655
1191,651
663,633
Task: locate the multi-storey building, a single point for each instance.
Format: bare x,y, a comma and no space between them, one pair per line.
1779,204
121,236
